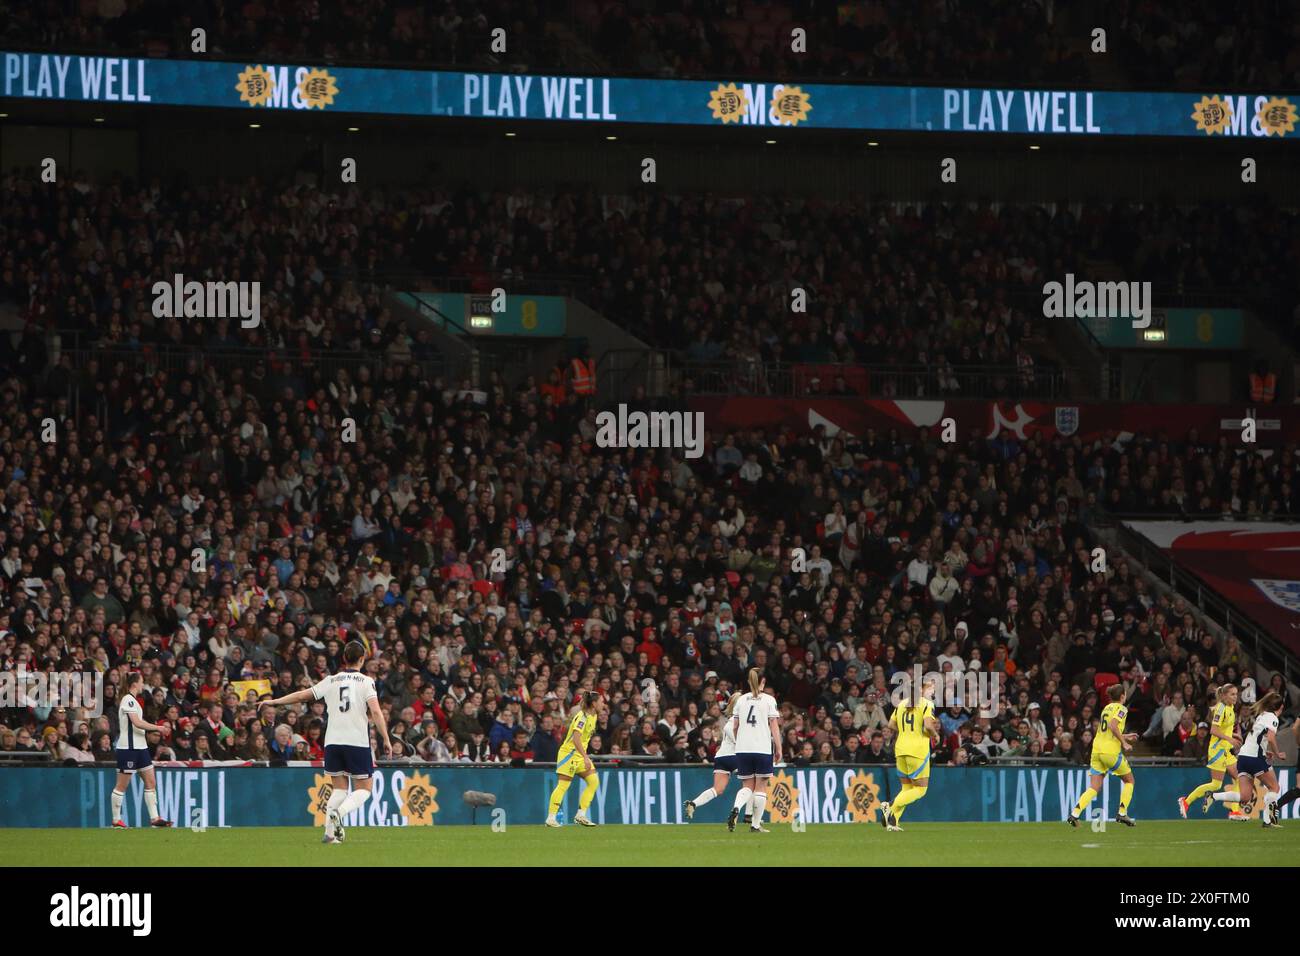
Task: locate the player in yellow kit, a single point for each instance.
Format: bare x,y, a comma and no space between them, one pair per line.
1219,759
915,725
572,761
1108,749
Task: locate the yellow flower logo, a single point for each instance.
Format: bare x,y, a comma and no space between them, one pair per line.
256,85
1277,116
783,798
1212,114
318,797
419,800
790,105
862,794
728,103
318,89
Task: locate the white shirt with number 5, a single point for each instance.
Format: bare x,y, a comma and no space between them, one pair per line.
347,696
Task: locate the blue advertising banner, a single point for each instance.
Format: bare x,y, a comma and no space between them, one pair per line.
423,795
263,86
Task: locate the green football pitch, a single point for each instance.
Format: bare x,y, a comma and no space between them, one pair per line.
1158,843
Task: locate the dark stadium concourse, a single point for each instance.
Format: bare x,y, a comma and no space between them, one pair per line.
523,420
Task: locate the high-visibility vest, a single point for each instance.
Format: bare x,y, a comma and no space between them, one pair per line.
1262,387
582,377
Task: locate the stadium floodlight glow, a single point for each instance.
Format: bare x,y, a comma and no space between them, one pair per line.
872,142
1154,335
611,138
99,119
254,125
1035,147
354,129
771,142
509,135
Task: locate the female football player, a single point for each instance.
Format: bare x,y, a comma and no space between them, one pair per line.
724,761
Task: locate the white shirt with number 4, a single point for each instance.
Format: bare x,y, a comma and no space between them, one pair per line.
347,695
754,734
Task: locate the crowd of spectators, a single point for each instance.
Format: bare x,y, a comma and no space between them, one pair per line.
930,286
213,525
1000,41
1205,45
951,288
450,32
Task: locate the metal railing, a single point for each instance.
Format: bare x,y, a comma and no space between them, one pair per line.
1267,651
27,758
622,371
41,758
300,370
279,362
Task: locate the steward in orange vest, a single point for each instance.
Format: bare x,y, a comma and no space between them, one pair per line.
1263,387
582,377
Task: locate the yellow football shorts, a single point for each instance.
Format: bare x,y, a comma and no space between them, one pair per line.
1115,763
913,768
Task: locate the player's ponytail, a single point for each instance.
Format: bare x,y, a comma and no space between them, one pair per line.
755,681
1266,704
731,704
1222,693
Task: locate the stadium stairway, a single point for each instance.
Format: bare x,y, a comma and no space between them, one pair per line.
1070,344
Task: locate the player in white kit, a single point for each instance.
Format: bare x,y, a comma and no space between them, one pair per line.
349,696
757,727
724,761
1253,760
132,753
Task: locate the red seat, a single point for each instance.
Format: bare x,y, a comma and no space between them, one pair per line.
1102,681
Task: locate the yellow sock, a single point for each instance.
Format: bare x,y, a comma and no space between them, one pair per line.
557,795
1084,799
589,785
1125,795
906,795
1204,790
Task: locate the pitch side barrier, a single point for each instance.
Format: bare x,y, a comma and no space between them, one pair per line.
421,794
